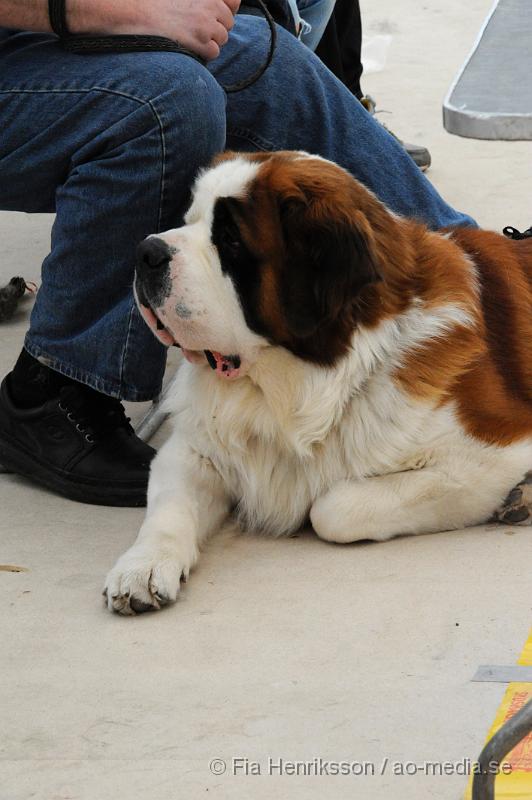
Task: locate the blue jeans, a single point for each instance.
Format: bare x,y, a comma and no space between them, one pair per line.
111,143
315,15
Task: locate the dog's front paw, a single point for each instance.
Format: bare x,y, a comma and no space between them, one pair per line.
144,580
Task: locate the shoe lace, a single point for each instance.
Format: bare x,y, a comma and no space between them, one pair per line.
370,105
94,415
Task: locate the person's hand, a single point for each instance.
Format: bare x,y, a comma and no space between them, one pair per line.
201,26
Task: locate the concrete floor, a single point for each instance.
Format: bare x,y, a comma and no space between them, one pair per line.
290,649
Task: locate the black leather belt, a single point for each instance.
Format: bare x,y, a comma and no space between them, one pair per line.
87,44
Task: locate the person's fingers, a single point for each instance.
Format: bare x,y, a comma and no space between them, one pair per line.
205,32
225,17
232,5
220,34
209,51
206,25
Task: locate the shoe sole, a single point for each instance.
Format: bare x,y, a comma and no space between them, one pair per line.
15,460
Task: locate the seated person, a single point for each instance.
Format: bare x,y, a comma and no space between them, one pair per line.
111,143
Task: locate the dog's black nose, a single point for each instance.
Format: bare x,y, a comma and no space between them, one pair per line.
153,253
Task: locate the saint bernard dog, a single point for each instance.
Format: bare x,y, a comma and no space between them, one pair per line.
345,366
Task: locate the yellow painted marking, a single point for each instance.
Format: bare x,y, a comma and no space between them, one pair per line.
525,659
517,785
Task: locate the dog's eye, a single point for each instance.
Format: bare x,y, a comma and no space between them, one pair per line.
226,235
230,240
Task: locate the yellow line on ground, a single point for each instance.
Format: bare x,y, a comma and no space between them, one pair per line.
517,783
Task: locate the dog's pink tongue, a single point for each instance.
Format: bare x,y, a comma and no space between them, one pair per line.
227,366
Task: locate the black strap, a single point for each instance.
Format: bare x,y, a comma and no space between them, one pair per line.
513,233
82,44
244,84
57,14
125,43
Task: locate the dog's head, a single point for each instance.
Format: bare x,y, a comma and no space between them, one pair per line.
276,250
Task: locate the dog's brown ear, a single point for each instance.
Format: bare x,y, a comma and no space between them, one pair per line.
329,259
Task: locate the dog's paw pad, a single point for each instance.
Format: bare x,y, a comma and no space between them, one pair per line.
139,606
517,508
136,585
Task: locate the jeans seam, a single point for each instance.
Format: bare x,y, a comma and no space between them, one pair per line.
252,138
126,345
163,162
128,96
111,388
72,90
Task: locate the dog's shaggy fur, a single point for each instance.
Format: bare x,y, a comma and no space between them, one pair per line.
347,367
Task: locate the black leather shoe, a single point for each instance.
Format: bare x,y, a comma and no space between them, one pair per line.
79,444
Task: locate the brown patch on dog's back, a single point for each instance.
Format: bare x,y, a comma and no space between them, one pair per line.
442,280
332,258
484,367
495,396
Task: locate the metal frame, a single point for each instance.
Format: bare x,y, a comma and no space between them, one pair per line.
478,124
506,738
152,421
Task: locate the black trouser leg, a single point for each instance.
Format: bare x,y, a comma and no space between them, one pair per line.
341,45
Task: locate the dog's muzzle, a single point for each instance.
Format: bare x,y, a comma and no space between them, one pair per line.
153,283
153,256
153,286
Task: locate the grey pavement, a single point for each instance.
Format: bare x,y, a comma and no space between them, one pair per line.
278,648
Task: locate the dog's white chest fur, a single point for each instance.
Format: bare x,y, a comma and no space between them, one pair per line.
278,446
